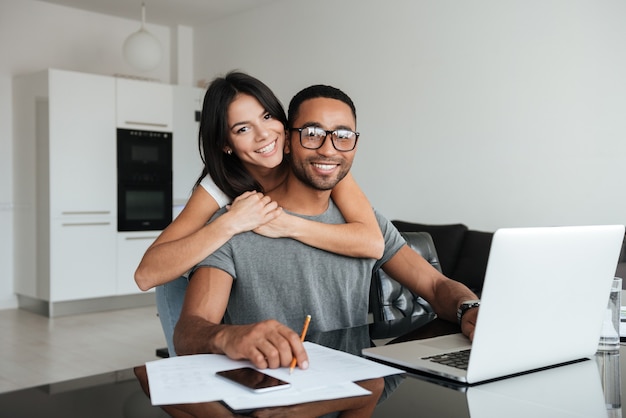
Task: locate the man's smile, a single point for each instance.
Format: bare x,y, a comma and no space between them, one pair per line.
325,166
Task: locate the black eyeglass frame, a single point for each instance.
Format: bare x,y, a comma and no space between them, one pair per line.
332,140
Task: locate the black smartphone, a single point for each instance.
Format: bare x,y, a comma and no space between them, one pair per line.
254,380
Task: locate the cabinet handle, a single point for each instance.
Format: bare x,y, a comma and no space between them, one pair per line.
160,125
86,224
87,212
137,238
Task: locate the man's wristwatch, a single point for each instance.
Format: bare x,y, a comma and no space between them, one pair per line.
464,307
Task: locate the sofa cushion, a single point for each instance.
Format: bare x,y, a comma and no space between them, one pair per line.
472,262
448,240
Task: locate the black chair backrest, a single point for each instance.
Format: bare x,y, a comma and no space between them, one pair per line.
395,309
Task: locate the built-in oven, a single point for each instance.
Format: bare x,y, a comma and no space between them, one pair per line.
144,180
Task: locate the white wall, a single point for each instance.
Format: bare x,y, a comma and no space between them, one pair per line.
492,113
36,35
487,112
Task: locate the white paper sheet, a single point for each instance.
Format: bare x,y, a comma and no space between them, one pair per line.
191,379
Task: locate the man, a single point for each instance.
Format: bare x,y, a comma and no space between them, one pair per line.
247,299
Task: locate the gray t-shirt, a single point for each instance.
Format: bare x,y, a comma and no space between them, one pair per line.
286,280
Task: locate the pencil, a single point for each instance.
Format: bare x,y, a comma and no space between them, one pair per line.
302,335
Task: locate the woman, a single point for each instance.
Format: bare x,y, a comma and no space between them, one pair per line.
242,136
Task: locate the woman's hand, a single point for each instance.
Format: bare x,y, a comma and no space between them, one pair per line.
251,210
282,226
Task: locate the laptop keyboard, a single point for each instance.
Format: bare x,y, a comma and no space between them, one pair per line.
458,359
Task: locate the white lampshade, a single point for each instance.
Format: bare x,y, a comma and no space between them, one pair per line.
142,49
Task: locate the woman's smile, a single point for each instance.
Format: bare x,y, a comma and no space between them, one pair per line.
267,149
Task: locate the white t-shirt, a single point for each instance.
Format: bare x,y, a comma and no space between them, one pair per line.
216,193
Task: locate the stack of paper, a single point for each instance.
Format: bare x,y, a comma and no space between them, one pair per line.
192,379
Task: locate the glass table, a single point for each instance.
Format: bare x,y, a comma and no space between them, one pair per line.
590,388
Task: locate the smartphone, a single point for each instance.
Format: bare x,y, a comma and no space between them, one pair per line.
254,380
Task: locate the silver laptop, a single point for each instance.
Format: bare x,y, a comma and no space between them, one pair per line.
543,300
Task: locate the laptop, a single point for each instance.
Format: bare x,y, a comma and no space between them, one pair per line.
543,300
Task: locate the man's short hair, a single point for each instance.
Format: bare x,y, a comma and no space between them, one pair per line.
314,92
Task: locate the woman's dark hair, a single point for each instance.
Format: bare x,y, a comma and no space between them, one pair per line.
227,170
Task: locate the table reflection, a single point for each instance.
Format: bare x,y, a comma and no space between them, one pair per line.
610,377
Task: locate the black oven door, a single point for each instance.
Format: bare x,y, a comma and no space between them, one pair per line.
144,180
144,207
141,152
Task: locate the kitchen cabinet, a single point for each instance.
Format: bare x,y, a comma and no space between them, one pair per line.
187,164
145,105
66,189
81,251
131,247
66,186
81,149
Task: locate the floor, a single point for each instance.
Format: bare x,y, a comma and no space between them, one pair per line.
36,350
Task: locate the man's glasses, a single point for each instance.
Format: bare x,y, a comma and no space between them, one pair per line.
312,137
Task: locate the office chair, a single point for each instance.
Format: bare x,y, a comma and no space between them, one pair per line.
395,309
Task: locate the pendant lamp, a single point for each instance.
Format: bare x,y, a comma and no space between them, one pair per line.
142,49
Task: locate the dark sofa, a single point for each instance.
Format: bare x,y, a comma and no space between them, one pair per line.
462,252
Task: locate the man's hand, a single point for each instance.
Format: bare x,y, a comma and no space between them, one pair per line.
468,323
267,344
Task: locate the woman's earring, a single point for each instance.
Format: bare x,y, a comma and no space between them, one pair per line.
229,151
